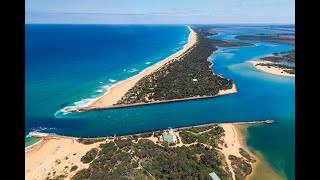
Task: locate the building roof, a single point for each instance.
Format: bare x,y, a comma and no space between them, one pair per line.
168,137
214,176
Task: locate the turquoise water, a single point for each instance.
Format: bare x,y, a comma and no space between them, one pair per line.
30,140
261,95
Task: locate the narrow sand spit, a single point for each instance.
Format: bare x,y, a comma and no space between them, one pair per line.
271,70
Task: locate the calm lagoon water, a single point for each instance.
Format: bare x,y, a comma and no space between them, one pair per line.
68,65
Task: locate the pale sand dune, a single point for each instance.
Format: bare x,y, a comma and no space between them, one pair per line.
41,160
116,92
271,70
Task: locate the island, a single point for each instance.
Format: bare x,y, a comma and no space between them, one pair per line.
184,75
180,153
273,64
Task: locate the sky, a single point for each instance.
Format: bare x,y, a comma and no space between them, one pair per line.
159,12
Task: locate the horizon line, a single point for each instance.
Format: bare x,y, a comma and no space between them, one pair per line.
161,23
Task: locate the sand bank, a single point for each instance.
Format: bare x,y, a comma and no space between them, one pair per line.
271,70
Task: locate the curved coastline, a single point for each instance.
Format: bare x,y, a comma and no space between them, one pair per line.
108,99
261,169
28,148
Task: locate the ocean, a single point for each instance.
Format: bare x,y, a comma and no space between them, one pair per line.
68,65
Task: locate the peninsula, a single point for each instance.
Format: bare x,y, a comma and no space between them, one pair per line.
272,64
184,75
199,150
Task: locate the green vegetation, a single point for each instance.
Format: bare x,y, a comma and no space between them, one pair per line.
290,71
286,38
221,43
188,76
89,141
288,56
188,137
278,38
200,128
121,159
146,134
283,56
89,156
73,168
82,174
60,177
211,137
247,155
286,68
241,167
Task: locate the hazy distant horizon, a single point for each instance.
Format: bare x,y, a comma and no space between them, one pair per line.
160,12
218,24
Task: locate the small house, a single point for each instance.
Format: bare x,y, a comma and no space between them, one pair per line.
169,136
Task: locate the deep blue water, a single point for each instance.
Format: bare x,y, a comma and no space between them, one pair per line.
70,63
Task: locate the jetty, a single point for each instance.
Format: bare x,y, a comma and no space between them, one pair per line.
268,121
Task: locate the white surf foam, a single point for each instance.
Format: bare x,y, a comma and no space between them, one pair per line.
40,129
133,70
87,101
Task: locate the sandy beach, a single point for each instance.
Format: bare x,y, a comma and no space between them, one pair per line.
55,155
116,92
233,144
59,153
271,70
221,93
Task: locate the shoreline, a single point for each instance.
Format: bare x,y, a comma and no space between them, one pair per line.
28,148
108,99
221,93
56,152
261,169
271,70
117,91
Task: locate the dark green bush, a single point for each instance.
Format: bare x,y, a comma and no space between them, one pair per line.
89,156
